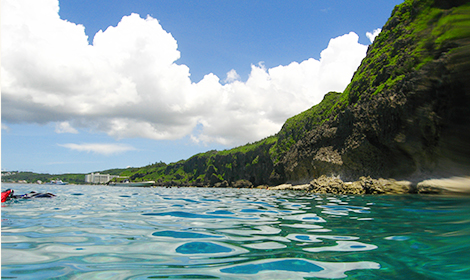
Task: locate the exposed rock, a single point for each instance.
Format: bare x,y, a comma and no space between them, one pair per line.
368,185
332,185
223,184
290,187
281,187
365,185
386,186
242,184
301,187
454,185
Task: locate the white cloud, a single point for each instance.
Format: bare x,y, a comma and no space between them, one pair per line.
5,127
232,76
65,127
374,34
127,83
98,148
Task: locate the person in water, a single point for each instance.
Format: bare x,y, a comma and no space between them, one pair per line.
9,194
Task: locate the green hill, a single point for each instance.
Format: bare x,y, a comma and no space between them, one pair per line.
404,114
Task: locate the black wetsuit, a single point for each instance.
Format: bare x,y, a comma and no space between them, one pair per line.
32,194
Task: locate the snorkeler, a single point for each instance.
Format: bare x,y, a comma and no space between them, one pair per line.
9,194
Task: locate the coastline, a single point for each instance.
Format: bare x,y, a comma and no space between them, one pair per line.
455,185
364,186
367,185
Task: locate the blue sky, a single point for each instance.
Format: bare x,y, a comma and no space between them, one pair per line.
106,84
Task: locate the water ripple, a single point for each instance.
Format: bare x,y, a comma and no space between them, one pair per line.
182,214
150,233
297,268
184,234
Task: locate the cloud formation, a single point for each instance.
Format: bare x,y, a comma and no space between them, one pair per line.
127,82
65,127
98,148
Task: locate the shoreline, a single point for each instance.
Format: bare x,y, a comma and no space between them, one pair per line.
456,185
366,185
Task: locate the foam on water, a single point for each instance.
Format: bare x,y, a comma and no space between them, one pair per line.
100,232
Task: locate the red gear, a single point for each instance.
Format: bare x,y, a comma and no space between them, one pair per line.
6,194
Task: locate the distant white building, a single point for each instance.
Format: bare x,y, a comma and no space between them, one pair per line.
97,178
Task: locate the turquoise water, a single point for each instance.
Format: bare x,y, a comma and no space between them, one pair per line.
96,232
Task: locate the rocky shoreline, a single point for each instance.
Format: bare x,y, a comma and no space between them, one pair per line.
368,185
364,186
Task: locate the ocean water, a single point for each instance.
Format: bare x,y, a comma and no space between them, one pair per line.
100,232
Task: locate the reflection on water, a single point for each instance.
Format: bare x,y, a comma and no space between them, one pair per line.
90,232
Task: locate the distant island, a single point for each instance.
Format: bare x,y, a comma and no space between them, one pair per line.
405,116
25,177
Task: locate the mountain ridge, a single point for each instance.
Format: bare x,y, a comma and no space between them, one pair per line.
404,115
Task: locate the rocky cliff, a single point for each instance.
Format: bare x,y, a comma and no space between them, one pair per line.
405,114
407,109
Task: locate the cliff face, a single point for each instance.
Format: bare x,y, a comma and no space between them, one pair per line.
406,113
408,104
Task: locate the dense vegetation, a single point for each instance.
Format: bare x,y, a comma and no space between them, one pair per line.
417,33
250,164
295,128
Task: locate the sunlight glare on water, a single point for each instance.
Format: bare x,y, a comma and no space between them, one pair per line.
100,232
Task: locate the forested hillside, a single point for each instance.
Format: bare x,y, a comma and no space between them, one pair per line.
405,114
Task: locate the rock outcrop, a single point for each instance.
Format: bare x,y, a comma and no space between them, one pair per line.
365,185
368,185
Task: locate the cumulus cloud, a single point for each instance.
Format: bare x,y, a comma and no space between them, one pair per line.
98,148
232,76
373,34
65,127
127,83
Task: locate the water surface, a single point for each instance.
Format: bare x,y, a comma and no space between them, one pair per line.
100,232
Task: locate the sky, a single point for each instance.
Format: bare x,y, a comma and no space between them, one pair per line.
97,84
